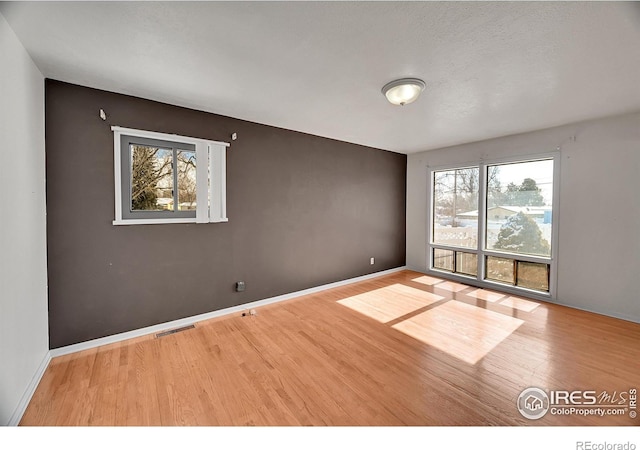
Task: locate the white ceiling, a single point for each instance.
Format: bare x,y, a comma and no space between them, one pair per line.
491,69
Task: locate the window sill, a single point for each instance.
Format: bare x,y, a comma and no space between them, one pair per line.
505,288
164,221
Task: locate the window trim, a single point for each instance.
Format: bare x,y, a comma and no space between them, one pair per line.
480,280
213,173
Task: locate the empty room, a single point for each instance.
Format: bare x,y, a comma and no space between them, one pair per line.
320,213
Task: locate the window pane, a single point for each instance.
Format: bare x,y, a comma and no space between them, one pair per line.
443,259
151,178
519,198
500,269
186,180
467,263
533,276
455,207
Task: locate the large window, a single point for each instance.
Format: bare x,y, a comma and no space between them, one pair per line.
164,178
494,223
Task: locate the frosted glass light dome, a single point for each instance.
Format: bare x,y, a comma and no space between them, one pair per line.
404,91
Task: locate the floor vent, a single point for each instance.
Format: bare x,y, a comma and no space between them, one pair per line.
175,330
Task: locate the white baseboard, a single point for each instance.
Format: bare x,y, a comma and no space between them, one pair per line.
28,393
626,317
210,315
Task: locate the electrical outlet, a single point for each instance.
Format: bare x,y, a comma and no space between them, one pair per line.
373,260
240,286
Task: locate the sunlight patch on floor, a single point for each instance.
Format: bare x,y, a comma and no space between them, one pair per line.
463,331
389,303
520,303
429,281
483,294
451,286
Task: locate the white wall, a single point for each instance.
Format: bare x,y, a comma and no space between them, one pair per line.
24,336
599,215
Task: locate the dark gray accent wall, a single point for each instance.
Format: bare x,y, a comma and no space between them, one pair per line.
303,211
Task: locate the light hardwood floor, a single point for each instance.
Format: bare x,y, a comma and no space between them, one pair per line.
403,349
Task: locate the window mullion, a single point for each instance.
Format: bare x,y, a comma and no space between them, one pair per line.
482,222
174,172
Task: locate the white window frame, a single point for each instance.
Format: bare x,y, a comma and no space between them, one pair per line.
481,251
210,178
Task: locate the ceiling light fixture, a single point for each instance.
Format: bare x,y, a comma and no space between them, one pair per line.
404,91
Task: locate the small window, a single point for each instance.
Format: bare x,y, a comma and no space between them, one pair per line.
457,262
443,259
533,275
500,269
467,263
163,178
158,178
525,274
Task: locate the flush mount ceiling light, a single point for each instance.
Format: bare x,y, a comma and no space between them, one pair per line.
404,91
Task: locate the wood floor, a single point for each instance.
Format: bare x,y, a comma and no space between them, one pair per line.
403,349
